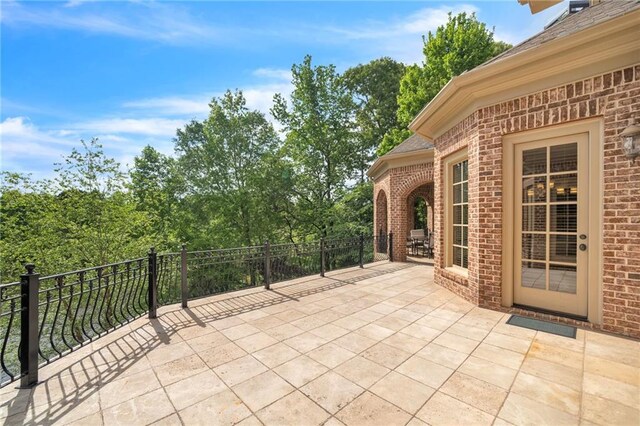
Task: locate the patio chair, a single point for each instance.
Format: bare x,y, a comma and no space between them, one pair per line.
416,237
428,246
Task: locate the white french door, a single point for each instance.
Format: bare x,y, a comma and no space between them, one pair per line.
551,223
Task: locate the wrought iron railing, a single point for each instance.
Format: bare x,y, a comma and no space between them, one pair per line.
43,319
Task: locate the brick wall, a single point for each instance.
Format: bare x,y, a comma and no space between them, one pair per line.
615,97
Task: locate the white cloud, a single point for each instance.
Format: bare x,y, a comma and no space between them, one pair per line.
172,105
168,23
25,147
138,126
22,141
399,37
273,74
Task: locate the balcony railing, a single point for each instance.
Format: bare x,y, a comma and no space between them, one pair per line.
44,319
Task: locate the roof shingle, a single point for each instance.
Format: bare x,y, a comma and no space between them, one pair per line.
414,142
576,22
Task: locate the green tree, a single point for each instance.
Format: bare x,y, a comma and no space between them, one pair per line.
375,87
319,125
154,186
460,45
225,163
82,217
97,217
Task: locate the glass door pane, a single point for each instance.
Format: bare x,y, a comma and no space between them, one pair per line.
548,232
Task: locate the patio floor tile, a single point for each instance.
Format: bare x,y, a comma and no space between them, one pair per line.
305,342
118,391
255,342
386,355
375,332
498,355
300,370
405,342
369,409
442,355
275,355
145,409
262,390
330,355
239,370
425,371
488,371
354,342
613,390
546,392
222,354
605,412
477,393
224,408
332,391
520,410
179,369
444,410
402,391
293,409
194,389
362,371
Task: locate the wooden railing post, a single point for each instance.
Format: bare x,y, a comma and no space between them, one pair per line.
361,251
29,288
183,276
267,265
390,246
153,283
322,265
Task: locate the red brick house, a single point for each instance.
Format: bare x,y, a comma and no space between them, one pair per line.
533,183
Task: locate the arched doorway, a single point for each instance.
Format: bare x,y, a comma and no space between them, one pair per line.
381,222
419,215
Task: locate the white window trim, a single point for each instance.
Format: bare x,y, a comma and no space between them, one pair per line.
449,162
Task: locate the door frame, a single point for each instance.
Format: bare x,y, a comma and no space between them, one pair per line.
594,128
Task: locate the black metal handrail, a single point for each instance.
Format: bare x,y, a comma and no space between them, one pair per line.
45,318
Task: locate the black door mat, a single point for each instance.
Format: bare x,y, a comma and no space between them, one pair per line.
547,327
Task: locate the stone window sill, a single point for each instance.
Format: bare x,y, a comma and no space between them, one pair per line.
457,270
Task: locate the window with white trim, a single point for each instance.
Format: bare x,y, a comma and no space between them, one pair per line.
460,214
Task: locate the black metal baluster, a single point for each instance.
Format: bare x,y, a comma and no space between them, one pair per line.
58,288
12,307
91,283
103,283
97,283
118,303
153,289
184,284
44,319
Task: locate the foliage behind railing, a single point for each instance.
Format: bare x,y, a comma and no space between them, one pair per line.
43,319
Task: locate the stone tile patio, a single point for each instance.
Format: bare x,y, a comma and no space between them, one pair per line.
382,345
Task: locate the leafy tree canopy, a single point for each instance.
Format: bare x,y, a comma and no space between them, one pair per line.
460,45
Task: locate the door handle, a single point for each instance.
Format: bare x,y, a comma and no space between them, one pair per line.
582,247
583,237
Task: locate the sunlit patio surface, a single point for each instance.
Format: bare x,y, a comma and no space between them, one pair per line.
380,345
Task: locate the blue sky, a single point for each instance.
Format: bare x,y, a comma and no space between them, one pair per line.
130,73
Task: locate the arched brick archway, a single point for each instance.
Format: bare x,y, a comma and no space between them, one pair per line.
395,192
426,193
381,213
402,175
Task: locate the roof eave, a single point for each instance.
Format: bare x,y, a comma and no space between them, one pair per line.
378,167
450,97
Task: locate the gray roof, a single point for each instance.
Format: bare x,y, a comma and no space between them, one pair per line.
576,22
415,142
